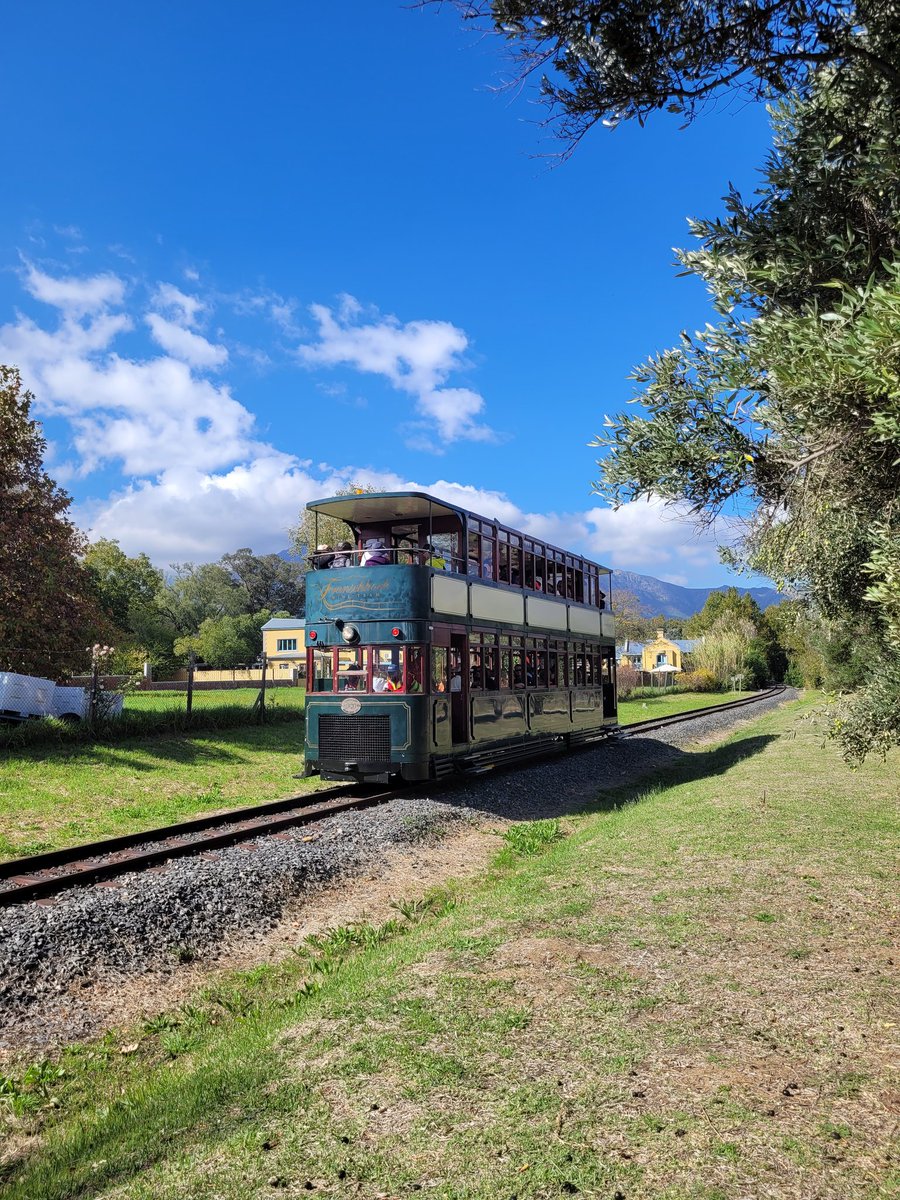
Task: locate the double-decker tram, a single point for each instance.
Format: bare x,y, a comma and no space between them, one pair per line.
439,642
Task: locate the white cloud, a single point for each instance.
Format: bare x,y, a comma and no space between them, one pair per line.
202,482
73,295
184,344
167,296
416,358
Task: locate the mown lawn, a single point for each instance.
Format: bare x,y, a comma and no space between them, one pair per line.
290,697
62,795
684,993
650,707
59,797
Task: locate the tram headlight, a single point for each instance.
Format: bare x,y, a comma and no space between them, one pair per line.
350,634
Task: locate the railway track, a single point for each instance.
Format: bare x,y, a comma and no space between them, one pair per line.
39,877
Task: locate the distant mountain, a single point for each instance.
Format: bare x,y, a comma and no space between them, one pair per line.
668,599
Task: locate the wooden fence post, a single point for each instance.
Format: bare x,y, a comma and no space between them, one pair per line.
262,690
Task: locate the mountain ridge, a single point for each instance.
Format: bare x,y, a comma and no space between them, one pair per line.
658,598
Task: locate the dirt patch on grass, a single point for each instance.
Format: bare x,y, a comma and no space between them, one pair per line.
406,874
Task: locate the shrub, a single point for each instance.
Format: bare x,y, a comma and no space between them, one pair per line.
627,679
700,680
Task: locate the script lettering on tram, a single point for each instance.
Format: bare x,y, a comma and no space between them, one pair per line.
374,597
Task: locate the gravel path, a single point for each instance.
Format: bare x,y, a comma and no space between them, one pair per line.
150,922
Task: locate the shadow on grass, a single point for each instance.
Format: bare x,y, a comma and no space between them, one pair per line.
601,778
683,767
145,753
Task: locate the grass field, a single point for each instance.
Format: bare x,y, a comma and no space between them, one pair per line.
292,697
54,797
651,707
684,994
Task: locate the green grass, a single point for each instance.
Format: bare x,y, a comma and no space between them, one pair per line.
203,698
51,798
604,1012
650,707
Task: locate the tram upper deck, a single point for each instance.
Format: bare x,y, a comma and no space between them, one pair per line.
468,569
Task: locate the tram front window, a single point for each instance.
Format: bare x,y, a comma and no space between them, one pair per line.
352,670
387,669
323,670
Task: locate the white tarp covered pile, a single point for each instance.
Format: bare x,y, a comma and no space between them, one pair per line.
24,696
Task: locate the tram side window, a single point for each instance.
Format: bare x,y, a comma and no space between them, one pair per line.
439,680
415,670
540,570
579,582
515,561
323,670
518,668
474,550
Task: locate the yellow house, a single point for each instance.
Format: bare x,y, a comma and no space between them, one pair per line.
284,645
665,652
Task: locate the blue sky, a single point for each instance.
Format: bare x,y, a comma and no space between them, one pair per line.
251,254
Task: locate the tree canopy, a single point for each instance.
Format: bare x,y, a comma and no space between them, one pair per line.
788,406
614,60
48,613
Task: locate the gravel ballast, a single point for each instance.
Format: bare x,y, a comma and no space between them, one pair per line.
152,921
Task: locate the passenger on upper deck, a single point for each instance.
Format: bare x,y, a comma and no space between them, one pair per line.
375,554
344,555
323,557
435,559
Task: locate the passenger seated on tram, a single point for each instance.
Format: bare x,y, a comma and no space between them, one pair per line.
375,554
353,680
394,679
323,557
434,558
380,680
343,556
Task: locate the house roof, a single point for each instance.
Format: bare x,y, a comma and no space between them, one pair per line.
285,623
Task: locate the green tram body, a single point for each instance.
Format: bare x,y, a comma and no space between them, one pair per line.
536,670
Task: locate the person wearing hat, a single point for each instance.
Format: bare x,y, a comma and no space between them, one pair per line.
435,559
394,681
323,557
344,555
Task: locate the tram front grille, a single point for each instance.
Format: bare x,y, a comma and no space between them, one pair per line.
355,739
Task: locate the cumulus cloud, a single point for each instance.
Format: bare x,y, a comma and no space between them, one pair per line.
197,479
75,296
416,358
183,343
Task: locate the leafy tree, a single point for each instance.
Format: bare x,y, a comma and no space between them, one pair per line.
197,592
48,614
122,584
788,405
267,580
727,602
725,648
614,60
630,624
317,530
228,641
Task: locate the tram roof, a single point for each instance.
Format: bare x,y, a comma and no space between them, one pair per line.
363,508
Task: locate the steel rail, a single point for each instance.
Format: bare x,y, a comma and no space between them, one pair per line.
636,727
42,875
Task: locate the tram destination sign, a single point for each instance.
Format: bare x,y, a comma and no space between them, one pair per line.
360,593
